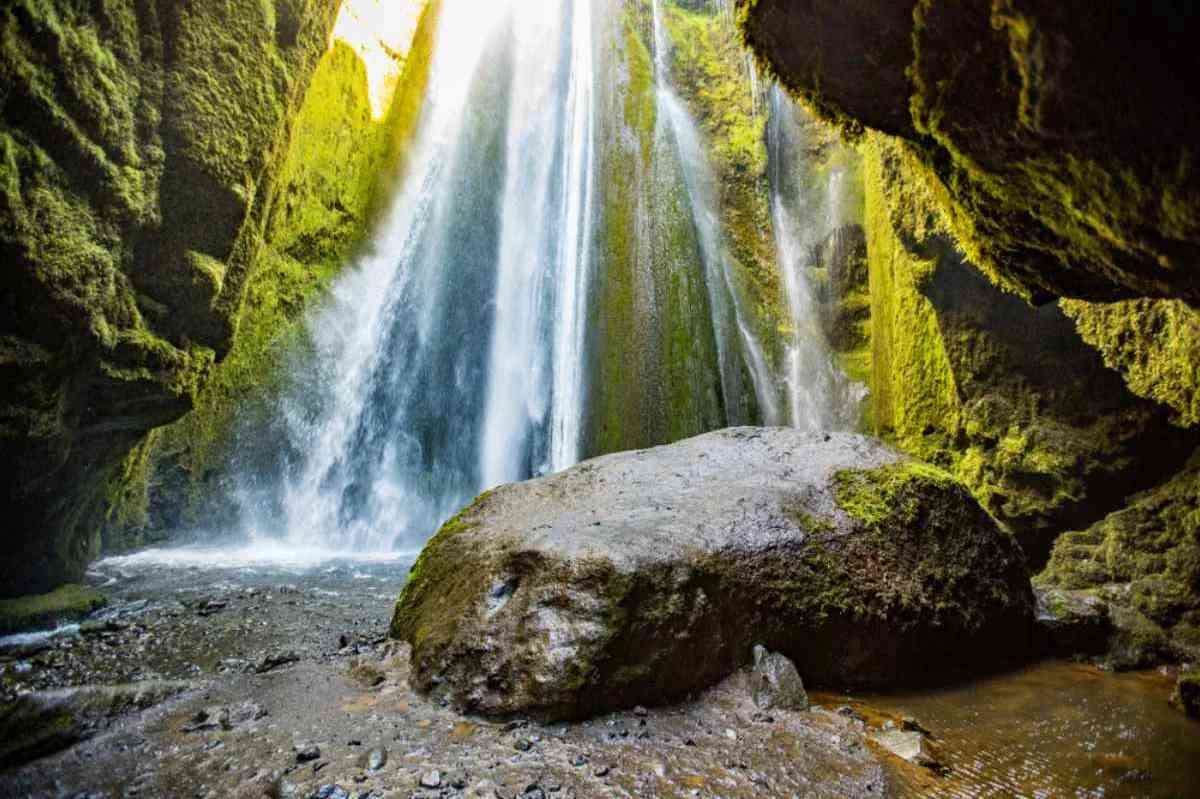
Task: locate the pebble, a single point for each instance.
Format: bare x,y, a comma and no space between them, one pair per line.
523,744
377,759
432,779
307,753
600,771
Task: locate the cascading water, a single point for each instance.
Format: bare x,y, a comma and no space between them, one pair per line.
447,360
806,210
460,351
724,297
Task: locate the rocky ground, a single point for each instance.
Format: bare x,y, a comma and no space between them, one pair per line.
255,680
267,689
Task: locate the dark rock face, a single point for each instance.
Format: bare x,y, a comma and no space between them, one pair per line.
637,578
1030,122
1143,563
1008,396
134,187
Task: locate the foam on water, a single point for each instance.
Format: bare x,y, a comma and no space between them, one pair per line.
277,554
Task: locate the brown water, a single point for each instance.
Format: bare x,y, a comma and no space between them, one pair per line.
1055,729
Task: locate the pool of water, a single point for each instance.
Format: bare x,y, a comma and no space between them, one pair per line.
1054,729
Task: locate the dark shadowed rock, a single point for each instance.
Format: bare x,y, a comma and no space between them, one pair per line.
43,722
640,577
1072,622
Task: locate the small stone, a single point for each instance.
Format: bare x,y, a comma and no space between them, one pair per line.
377,759
330,792
432,779
776,683
600,771
730,733
579,760
307,753
523,744
640,711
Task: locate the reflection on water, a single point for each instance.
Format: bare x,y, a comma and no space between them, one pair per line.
1055,729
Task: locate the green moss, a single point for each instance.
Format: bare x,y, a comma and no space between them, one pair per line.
1153,343
65,603
885,495
339,167
1144,560
913,393
438,594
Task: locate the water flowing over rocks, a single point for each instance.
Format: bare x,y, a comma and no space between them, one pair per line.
642,577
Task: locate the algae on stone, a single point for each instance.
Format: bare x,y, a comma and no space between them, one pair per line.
1007,396
139,144
63,604
1144,562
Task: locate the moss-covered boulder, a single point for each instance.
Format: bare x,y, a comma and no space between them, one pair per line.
643,576
1143,562
63,604
1029,122
139,147
1009,397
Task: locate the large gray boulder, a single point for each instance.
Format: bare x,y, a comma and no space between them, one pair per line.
640,577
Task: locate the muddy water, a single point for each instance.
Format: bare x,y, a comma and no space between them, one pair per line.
1055,729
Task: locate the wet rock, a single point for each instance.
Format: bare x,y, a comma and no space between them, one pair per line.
906,745
42,722
654,572
1072,622
377,759
330,792
1187,693
775,683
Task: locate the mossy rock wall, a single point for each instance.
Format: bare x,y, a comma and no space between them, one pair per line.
140,146
654,367
1143,561
1155,344
1007,396
1057,139
339,167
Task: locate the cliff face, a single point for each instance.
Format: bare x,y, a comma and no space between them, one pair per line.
342,158
140,146
1030,123
1009,396
1005,152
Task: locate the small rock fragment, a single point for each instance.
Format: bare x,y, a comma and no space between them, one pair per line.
775,682
307,753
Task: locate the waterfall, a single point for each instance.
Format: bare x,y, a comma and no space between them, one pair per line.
725,300
461,349
447,359
806,210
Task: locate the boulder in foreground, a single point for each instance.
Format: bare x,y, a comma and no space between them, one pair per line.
639,577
